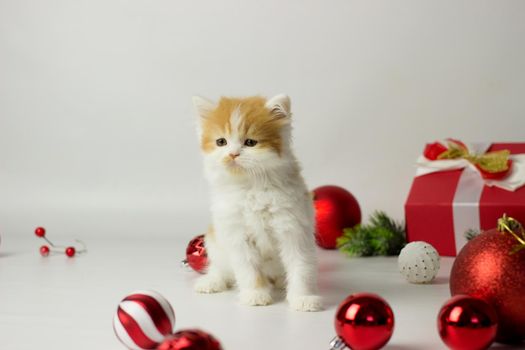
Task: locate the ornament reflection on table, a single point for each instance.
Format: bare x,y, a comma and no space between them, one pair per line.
196,255
467,323
490,267
335,210
190,339
363,321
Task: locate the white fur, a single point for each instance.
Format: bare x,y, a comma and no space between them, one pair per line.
263,222
203,105
280,103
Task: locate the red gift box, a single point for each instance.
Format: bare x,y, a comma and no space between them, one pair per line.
434,211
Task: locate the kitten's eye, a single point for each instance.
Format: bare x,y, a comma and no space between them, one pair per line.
250,142
221,142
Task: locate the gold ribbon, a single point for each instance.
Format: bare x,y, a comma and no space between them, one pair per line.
510,225
491,162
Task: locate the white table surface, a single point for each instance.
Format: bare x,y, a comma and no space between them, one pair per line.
62,303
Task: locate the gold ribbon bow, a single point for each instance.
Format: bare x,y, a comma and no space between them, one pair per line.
510,225
491,162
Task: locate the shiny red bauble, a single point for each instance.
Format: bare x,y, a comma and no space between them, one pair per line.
40,231
485,268
467,323
191,339
196,255
44,250
364,321
70,251
335,210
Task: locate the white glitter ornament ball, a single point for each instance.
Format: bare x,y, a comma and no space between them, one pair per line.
419,262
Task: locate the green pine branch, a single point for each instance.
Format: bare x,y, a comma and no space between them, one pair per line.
382,236
471,233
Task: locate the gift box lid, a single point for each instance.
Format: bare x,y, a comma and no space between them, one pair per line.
439,188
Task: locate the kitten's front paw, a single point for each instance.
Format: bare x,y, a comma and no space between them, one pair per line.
209,284
255,297
306,302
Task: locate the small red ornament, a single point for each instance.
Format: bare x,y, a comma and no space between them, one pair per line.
191,339
44,250
196,256
363,321
335,210
70,251
40,231
467,323
491,267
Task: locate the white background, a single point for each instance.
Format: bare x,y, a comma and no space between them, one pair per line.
95,96
97,141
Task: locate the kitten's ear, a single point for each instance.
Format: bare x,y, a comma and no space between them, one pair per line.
203,105
280,106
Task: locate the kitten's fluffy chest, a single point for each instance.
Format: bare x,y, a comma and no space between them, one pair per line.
255,203
260,199
259,206
262,196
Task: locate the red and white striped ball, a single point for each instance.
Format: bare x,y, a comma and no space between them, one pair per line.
143,320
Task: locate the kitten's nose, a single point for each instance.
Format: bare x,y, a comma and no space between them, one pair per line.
234,155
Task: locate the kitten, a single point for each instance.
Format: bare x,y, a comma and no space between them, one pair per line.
263,222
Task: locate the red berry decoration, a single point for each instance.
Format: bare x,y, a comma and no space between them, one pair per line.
196,256
191,339
44,250
467,323
491,267
363,321
40,231
70,251
335,210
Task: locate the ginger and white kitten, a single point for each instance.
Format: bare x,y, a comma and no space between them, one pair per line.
263,222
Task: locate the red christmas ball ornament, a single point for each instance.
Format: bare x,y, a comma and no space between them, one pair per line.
363,321
335,209
467,323
191,339
143,320
70,251
491,267
196,256
40,231
44,250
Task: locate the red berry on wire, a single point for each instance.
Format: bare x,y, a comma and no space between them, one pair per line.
44,250
40,231
70,251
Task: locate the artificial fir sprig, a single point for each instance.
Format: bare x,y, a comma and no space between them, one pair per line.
471,233
382,236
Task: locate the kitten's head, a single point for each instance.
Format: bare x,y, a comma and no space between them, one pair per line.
244,135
